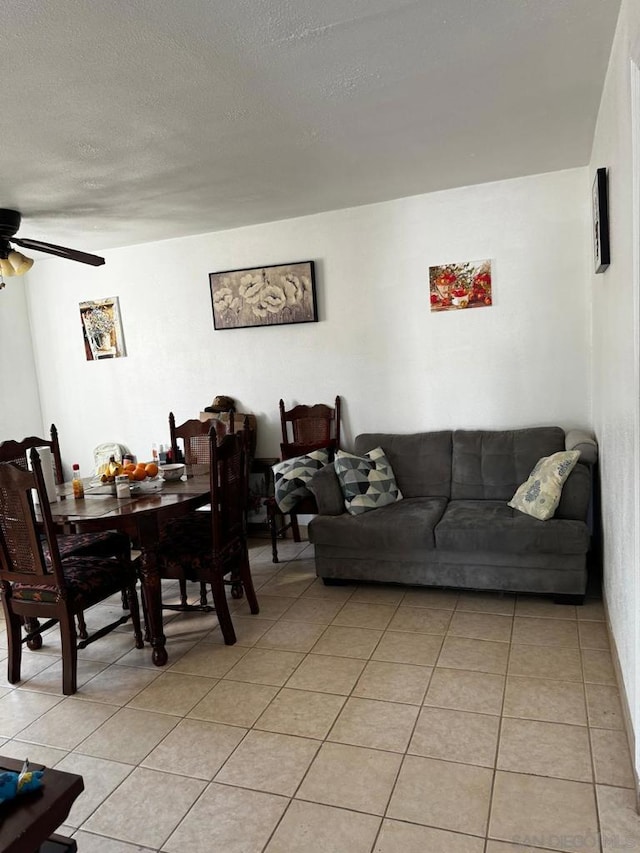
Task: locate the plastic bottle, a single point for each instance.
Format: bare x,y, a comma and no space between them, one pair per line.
76,482
154,453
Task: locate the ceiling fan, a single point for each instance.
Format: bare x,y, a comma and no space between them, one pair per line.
15,263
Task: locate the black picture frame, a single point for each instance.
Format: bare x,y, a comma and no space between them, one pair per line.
600,201
275,295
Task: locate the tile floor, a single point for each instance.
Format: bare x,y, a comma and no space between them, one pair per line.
345,720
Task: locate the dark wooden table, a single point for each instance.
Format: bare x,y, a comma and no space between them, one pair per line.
30,819
142,517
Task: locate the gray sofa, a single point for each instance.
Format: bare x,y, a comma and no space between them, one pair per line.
453,527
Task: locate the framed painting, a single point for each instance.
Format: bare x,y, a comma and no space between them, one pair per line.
600,202
264,296
454,287
102,329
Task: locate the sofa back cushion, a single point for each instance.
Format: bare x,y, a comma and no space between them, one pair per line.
491,464
421,461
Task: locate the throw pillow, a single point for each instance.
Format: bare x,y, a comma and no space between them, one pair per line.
540,495
292,475
367,482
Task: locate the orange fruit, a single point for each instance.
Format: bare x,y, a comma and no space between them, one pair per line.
151,468
130,466
139,473
131,473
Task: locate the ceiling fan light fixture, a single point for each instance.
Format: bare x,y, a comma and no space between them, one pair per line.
19,263
6,269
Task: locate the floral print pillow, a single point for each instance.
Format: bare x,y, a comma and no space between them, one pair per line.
540,495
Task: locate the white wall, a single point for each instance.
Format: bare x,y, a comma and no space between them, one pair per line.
20,414
615,358
397,366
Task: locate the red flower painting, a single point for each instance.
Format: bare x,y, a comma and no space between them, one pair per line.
454,287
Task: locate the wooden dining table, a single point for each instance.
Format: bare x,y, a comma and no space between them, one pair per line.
142,517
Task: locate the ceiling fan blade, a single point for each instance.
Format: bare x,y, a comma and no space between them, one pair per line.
60,251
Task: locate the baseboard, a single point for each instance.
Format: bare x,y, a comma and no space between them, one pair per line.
624,702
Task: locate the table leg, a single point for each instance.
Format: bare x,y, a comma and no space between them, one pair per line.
151,591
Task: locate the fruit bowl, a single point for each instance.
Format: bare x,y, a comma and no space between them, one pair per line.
151,484
172,472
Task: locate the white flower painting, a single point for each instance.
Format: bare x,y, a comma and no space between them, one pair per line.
264,296
102,329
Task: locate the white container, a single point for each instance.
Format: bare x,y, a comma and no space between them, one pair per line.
122,486
172,472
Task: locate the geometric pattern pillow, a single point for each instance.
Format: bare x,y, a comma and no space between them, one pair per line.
540,494
367,482
292,475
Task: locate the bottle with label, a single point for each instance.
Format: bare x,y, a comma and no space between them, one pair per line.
76,482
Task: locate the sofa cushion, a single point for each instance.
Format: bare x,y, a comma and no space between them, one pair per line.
492,464
367,482
421,461
402,526
292,475
494,526
540,494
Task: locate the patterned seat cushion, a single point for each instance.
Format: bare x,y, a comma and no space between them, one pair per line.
185,549
106,544
88,580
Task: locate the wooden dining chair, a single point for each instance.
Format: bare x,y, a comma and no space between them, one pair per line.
55,588
105,543
304,429
211,548
194,435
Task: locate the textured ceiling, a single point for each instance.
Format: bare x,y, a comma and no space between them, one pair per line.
135,120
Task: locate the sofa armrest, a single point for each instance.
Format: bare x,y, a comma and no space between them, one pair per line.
579,439
325,488
576,494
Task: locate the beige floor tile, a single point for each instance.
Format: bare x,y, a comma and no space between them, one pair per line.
593,635
362,614
248,630
474,655
603,706
351,777
443,795
506,847
545,662
48,756
291,636
235,702
487,602
209,660
481,626
592,610
111,648
172,693
456,736
68,723
191,625
49,680
597,666
196,748
315,828
544,606
88,842
402,647
399,837
301,712
239,820
611,758
378,593
545,699
326,674
440,599
422,620
117,685
340,593
271,762
146,807
319,610
141,658
32,664
552,810
619,819
341,641
271,606
19,708
378,725
128,736
266,666
393,682
545,749
533,631
289,583
460,690
100,779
